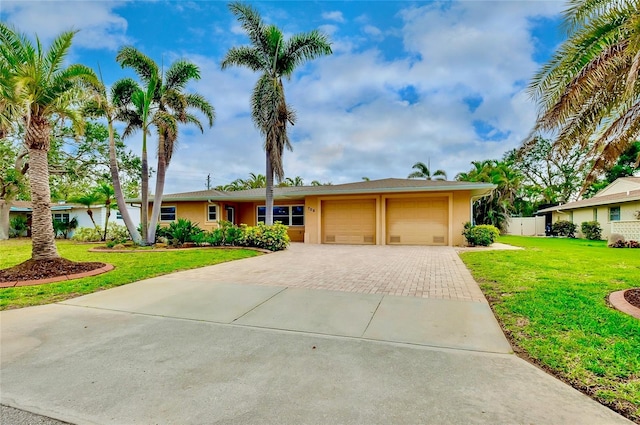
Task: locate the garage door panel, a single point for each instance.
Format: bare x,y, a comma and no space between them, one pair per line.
349,221
420,221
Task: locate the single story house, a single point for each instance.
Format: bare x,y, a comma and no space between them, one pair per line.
62,211
376,212
616,208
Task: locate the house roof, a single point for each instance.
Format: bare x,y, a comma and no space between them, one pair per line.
614,198
25,206
299,192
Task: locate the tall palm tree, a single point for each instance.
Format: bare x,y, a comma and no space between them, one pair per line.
274,57
589,92
41,87
423,172
110,107
164,105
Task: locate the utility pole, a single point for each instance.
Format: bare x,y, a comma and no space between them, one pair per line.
209,181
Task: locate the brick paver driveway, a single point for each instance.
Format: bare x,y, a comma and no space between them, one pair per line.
418,271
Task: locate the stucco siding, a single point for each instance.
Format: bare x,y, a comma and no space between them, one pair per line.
602,216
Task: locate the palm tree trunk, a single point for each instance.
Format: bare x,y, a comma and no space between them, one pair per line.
117,188
107,214
90,214
144,208
268,219
5,207
43,238
157,196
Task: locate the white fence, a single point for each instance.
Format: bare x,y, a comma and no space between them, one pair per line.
630,229
526,226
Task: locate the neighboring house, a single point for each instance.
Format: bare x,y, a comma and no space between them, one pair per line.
615,207
63,211
377,212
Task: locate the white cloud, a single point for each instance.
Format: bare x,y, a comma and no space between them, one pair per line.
371,30
336,16
99,26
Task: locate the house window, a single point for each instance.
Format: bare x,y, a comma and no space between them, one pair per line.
118,215
167,213
61,217
289,215
614,214
595,214
212,213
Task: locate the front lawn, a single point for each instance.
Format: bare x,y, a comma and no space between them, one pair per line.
551,299
129,267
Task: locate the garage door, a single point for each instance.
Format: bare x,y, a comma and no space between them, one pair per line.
418,221
349,222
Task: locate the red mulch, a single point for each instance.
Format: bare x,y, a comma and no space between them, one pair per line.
44,269
633,297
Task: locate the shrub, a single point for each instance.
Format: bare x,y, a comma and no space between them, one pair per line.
18,226
616,237
60,228
618,244
591,230
273,238
182,230
633,244
564,228
482,235
87,234
117,233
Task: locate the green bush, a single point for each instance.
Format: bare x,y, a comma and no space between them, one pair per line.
482,235
564,228
18,226
60,228
273,238
182,231
87,234
591,230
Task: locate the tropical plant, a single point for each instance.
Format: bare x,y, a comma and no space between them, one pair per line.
495,208
274,57
564,228
63,228
589,93
40,87
88,200
163,104
182,230
106,193
19,225
13,167
423,172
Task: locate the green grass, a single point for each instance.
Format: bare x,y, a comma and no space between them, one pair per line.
551,299
129,267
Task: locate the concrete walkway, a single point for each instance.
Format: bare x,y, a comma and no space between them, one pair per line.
253,342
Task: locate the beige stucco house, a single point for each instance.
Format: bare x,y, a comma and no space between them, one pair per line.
377,212
615,207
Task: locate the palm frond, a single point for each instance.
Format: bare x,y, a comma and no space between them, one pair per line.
180,73
251,22
145,67
198,102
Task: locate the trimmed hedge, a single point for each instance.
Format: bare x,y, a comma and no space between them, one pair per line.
481,235
591,230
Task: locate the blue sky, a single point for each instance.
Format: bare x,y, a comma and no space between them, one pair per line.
443,82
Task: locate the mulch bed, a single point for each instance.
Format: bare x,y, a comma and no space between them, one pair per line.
633,297
45,269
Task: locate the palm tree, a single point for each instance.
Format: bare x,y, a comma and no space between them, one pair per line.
41,88
105,192
274,57
162,104
255,181
423,172
88,200
109,106
589,92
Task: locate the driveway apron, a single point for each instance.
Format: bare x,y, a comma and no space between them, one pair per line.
315,334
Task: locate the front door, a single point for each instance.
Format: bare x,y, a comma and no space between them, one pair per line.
231,214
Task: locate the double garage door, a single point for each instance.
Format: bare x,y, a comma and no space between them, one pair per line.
409,221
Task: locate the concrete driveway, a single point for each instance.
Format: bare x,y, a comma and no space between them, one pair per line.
315,334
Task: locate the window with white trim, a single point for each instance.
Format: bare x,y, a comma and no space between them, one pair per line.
289,215
167,213
614,214
60,217
212,212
